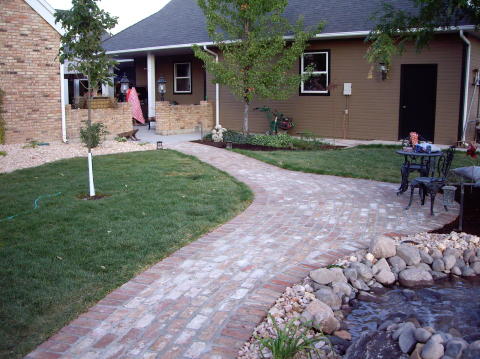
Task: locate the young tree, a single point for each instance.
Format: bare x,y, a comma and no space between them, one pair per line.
81,45
257,57
397,27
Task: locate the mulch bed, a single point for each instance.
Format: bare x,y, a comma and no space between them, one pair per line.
471,213
246,146
86,197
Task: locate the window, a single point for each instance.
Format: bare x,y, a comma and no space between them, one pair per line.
318,82
183,78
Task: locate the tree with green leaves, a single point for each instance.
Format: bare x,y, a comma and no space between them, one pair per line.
81,46
257,56
395,27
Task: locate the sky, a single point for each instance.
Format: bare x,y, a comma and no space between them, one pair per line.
128,12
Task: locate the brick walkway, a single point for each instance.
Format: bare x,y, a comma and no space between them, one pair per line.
205,299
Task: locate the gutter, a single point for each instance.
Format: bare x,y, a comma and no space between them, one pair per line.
217,89
466,83
62,103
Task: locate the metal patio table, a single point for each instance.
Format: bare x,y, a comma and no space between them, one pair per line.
427,160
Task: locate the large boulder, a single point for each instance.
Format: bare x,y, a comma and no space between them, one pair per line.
433,350
414,277
321,316
326,276
410,254
382,247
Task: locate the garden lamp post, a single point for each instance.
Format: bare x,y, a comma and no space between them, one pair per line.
162,87
124,84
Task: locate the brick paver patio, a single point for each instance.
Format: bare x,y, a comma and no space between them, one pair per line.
205,299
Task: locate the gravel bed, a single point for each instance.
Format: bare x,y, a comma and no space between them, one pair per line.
19,156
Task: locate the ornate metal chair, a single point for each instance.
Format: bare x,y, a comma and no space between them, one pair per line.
433,182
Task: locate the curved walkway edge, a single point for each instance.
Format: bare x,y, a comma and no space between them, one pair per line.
205,300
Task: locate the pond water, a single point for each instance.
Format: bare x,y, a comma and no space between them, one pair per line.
445,305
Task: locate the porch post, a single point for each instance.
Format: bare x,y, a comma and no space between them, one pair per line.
151,85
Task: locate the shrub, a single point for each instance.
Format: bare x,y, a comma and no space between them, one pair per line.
282,140
120,139
92,136
235,137
3,153
290,341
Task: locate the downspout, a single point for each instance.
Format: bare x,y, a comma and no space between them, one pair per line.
217,89
62,103
466,84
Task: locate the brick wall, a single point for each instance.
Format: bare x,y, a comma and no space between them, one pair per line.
29,74
116,120
176,119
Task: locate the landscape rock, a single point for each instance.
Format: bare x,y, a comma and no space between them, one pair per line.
407,340
476,267
363,271
322,317
438,275
385,277
438,265
422,335
327,276
410,254
327,296
456,270
351,274
360,285
416,352
425,257
432,350
415,277
382,247
449,261
343,334
455,347
341,289
468,272
382,264
397,263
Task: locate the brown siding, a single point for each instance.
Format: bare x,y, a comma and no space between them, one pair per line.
374,104
473,94
29,74
164,67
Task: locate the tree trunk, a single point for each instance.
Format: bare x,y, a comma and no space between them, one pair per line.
245,118
91,184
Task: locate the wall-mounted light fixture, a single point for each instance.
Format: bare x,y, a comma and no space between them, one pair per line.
383,70
162,87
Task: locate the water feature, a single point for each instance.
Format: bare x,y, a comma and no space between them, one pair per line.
445,305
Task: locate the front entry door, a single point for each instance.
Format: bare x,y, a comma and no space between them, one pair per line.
418,98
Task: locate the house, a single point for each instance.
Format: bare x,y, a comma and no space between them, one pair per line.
36,85
30,74
430,92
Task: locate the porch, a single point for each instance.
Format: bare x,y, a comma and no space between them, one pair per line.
182,106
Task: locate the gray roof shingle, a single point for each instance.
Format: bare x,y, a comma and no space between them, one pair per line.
182,21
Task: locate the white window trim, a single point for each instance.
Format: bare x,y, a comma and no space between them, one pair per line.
175,77
315,72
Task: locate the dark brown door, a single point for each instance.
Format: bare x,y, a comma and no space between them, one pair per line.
418,98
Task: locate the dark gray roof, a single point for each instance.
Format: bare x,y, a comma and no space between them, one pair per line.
182,21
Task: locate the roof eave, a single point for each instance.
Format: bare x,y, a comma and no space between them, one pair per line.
332,35
46,11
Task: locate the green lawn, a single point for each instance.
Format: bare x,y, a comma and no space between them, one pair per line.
375,162
57,261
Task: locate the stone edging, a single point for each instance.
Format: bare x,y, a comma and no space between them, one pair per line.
418,260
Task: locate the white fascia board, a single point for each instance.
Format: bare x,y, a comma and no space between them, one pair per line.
330,35
45,10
